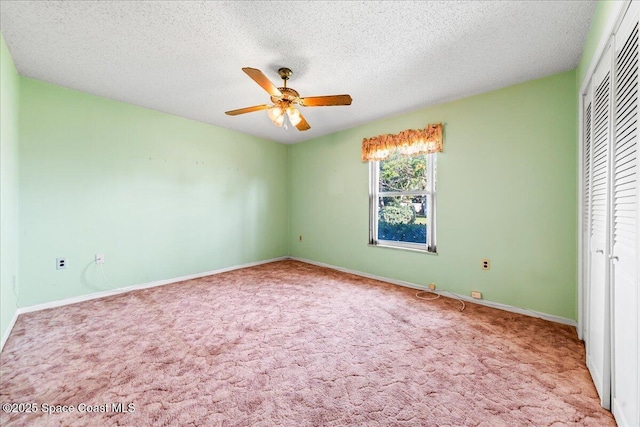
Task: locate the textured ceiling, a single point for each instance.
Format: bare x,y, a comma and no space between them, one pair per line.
185,57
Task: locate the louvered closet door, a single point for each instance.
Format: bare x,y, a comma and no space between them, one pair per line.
586,202
598,328
625,356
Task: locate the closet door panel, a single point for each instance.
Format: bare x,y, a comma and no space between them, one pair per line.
624,254
598,296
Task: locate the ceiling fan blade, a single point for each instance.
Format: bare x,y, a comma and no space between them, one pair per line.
262,80
303,125
247,110
321,101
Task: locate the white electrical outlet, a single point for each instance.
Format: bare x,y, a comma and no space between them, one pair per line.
61,263
476,294
99,258
486,264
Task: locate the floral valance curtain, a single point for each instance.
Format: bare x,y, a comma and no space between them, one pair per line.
409,142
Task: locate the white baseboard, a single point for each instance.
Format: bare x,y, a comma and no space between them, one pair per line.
117,291
96,295
500,306
9,329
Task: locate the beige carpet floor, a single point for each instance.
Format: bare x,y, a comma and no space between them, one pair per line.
291,344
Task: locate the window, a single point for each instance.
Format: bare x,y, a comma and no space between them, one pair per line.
402,200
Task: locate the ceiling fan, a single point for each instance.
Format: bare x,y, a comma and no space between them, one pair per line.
285,98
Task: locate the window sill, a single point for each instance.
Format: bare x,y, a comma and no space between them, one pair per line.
402,248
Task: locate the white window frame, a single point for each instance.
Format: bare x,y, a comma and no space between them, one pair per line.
430,195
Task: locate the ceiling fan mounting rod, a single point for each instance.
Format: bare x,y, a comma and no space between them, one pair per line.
285,74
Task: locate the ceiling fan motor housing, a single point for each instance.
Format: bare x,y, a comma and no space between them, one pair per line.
288,95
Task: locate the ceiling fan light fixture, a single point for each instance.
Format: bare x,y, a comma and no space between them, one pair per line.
294,116
276,115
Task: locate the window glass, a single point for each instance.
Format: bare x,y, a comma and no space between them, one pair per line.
403,202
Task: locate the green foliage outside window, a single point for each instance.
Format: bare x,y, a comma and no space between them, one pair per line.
400,173
397,214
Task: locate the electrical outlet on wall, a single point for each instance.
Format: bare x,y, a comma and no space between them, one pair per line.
432,286
476,294
61,263
486,264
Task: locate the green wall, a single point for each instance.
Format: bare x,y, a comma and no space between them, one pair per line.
9,101
160,196
506,191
